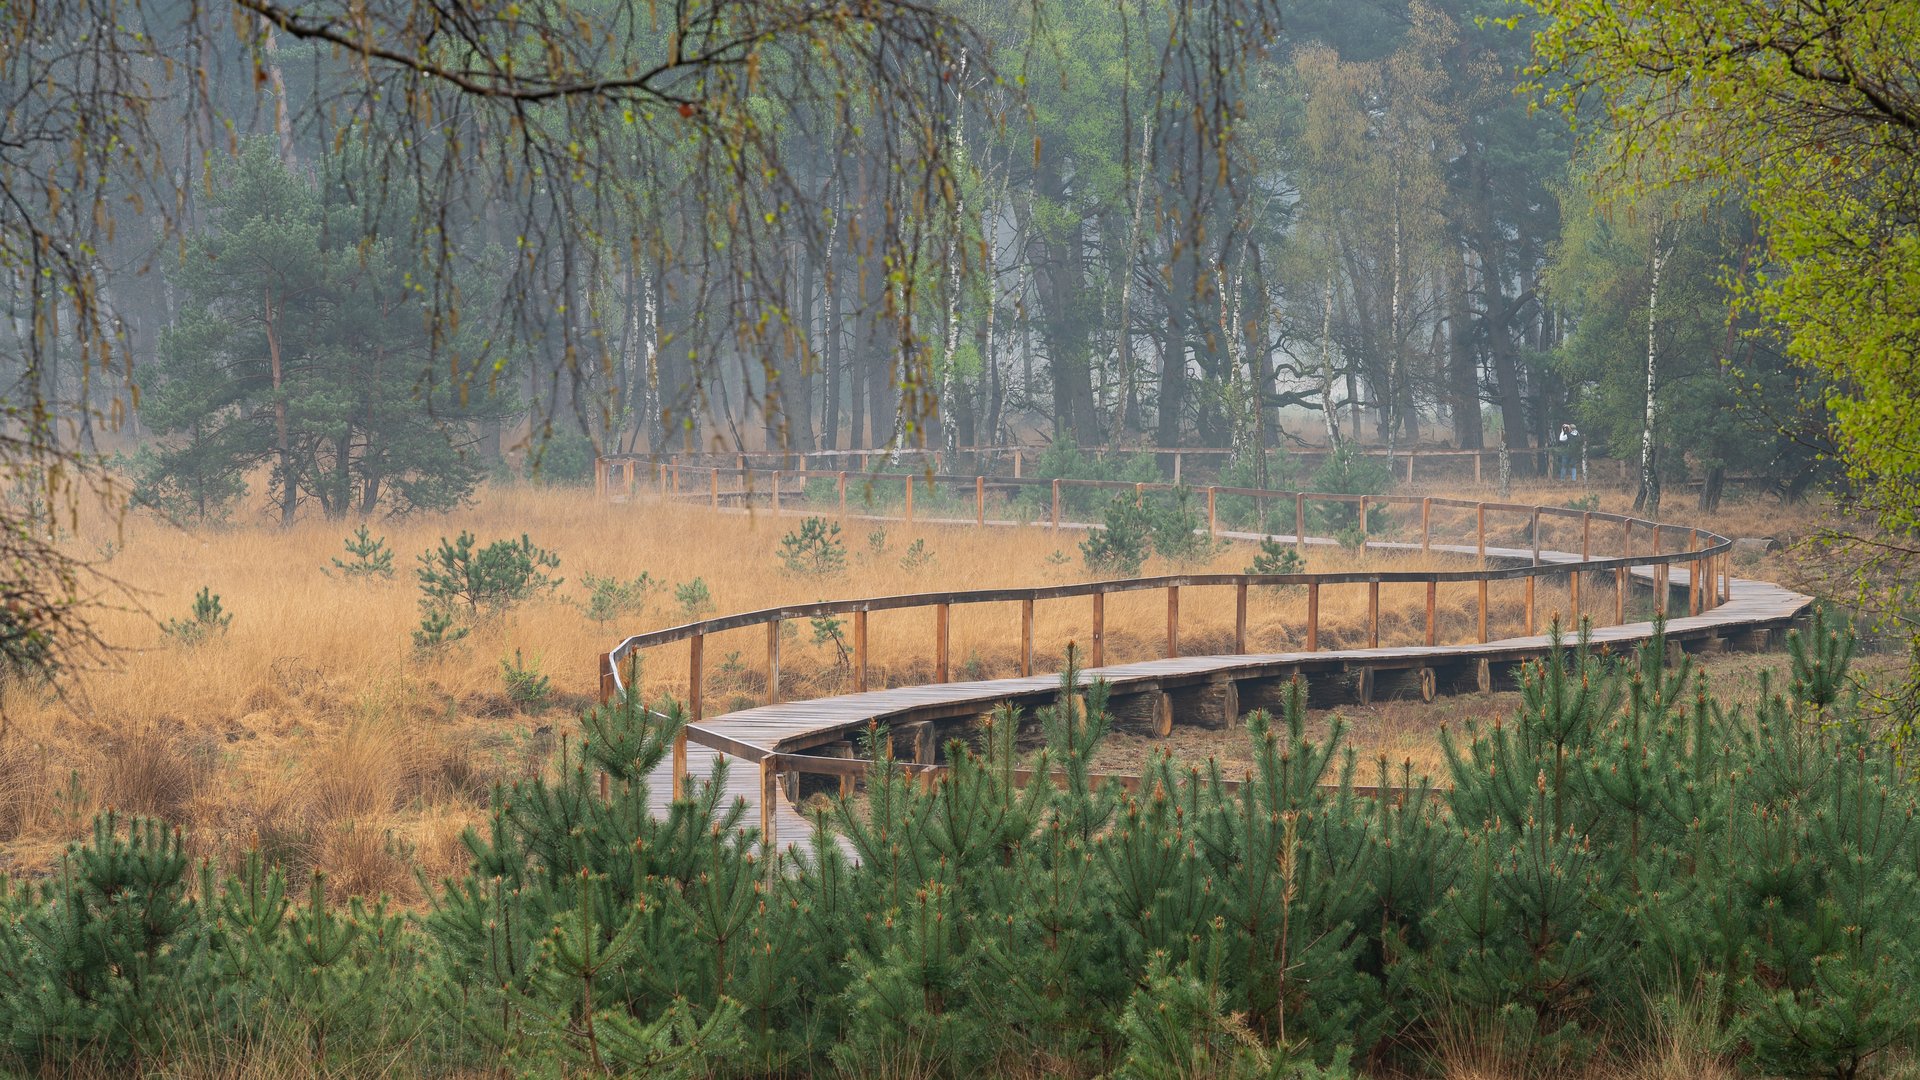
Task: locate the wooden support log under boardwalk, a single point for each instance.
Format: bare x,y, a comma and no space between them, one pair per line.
770,745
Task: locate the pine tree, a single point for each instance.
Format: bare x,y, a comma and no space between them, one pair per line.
298,351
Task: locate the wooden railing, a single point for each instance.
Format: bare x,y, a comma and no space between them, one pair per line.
936,459
1706,554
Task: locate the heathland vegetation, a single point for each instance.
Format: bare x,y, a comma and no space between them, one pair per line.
1622,875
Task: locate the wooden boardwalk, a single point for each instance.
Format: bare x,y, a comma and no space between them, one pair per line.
1178,689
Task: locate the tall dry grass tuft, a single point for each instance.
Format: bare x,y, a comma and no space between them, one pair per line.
24,782
1688,1041
365,860
365,771
152,772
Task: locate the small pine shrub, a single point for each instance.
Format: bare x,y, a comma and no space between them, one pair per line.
610,598
1120,547
436,631
526,686
694,598
1346,472
877,542
917,557
206,621
827,630
1275,557
496,577
371,558
1179,531
814,550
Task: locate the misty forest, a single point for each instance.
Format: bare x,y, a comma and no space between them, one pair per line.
925,538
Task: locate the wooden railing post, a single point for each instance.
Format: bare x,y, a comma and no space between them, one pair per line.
1433,589
1530,605
602,477
1213,518
1661,588
940,670
1483,611
1313,616
860,652
1099,629
1299,520
713,478
776,493
1363,523
1535,529
1056,505
679,764
773,662
980,501
842,483
1621,574
1477,455
1373,613
696,648
909,498
1173,621
1480,518
1410,456
1694,593
1026,636
1426,523
769,816
1240,619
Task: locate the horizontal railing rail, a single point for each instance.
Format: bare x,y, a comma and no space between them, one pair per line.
1018,454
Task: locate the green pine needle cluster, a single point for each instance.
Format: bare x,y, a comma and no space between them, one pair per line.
370,558
206,621
814,550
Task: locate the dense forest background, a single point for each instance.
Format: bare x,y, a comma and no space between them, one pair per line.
1153,224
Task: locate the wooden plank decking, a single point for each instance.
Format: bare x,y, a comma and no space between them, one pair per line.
792,727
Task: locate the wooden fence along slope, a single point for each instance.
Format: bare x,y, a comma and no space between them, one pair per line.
765,744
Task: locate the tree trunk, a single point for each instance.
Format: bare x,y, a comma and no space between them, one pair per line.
289,493
1648,498
1711,488
1463,364
282,118
1327,409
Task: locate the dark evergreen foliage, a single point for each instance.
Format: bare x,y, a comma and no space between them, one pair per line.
1622,844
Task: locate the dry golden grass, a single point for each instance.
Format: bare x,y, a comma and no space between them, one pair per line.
314,730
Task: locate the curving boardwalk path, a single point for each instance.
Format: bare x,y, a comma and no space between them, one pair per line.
1213,690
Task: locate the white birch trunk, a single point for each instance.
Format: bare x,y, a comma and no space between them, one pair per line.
1649,498
1326,365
